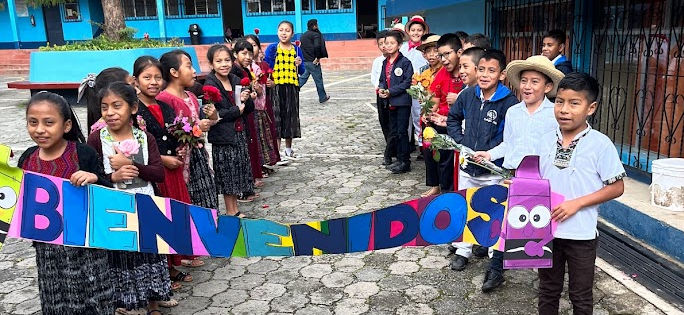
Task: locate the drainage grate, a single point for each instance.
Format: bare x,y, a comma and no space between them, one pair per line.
659,275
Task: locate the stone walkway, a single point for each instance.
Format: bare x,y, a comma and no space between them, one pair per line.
338,174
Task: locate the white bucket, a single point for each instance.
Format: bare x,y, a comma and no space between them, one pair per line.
667,186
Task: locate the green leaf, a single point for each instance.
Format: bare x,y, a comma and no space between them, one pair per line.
435,155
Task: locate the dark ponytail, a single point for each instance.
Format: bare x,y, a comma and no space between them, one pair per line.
105,77
64,110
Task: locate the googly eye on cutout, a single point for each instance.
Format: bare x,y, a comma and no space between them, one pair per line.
8,198
518,217
540,216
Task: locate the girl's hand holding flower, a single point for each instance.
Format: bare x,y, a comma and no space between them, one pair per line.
298,61
244,95
126,172
210,110
269,83
171,162
204,125
120,159
82,178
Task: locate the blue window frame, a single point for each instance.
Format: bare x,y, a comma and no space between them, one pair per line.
333,6
71,12
179,9
140,9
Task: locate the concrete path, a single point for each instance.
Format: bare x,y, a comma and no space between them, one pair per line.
338,174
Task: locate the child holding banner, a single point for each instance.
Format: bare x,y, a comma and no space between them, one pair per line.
67,276
132,161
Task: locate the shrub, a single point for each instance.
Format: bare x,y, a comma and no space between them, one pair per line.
104,43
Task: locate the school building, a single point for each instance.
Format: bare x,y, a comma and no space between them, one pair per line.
24,26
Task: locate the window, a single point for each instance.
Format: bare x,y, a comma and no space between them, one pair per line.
172,8
270,6
134,9
71,12
333,5
201,7
306,5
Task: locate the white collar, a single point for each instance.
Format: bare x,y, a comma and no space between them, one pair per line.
579,135
556,59
546,103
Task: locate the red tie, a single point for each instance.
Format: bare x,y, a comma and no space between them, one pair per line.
413,45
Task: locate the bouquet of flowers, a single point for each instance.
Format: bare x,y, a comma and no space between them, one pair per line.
424,97
187,131
211,94
435,141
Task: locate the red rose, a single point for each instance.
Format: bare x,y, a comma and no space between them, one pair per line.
269,71
211,94
245,82
256,31
298,43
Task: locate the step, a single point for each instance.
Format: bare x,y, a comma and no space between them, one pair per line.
633,213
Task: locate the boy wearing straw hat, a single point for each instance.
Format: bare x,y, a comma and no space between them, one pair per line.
536,78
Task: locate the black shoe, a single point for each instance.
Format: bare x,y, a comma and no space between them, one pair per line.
452,249
327,98
403,167
492,281
393,165
480,251
420,157
387,161
458,263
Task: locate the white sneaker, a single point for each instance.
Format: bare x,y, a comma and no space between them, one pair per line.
289,154
283,162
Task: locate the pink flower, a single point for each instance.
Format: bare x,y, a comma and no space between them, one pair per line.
187,127
426,144
129,147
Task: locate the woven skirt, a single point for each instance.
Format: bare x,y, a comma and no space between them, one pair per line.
139,278
269,151
286,110
201,184
232,167
74,280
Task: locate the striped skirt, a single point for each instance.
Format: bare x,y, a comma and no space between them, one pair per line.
269,151
232,167
286,110
201,185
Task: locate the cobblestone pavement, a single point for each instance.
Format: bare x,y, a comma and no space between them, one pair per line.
338,174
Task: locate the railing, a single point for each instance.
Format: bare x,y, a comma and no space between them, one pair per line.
635,50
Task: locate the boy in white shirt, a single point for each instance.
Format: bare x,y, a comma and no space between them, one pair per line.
583,165
536,78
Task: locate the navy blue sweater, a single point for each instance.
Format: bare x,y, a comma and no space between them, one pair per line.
484,121
400,81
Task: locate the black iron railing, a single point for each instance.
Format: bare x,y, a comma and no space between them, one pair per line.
634,48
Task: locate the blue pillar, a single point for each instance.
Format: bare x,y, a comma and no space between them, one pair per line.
298,18
161,18
13,22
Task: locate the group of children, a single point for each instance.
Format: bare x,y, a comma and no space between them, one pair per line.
475,108
130,147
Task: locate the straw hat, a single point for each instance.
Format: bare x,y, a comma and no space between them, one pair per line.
536,63
400,27
417,19
428,42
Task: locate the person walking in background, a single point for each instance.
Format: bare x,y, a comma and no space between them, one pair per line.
313,50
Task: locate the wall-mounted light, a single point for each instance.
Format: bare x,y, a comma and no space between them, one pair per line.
33,20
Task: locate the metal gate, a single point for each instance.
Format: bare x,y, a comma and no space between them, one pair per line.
634,48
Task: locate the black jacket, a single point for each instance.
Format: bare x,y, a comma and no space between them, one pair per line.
484,122
166,142
88,161
223,133
563,65
400,81
313,45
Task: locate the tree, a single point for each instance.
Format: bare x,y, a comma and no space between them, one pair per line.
114,22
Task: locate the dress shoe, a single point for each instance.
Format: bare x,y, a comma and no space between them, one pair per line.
480,251
492,281
387,161
458,263
401,168
393,165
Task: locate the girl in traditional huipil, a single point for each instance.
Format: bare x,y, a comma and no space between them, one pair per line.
265,122
243,55
229,136
179,75
153,116
71,280
131,160
286,61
